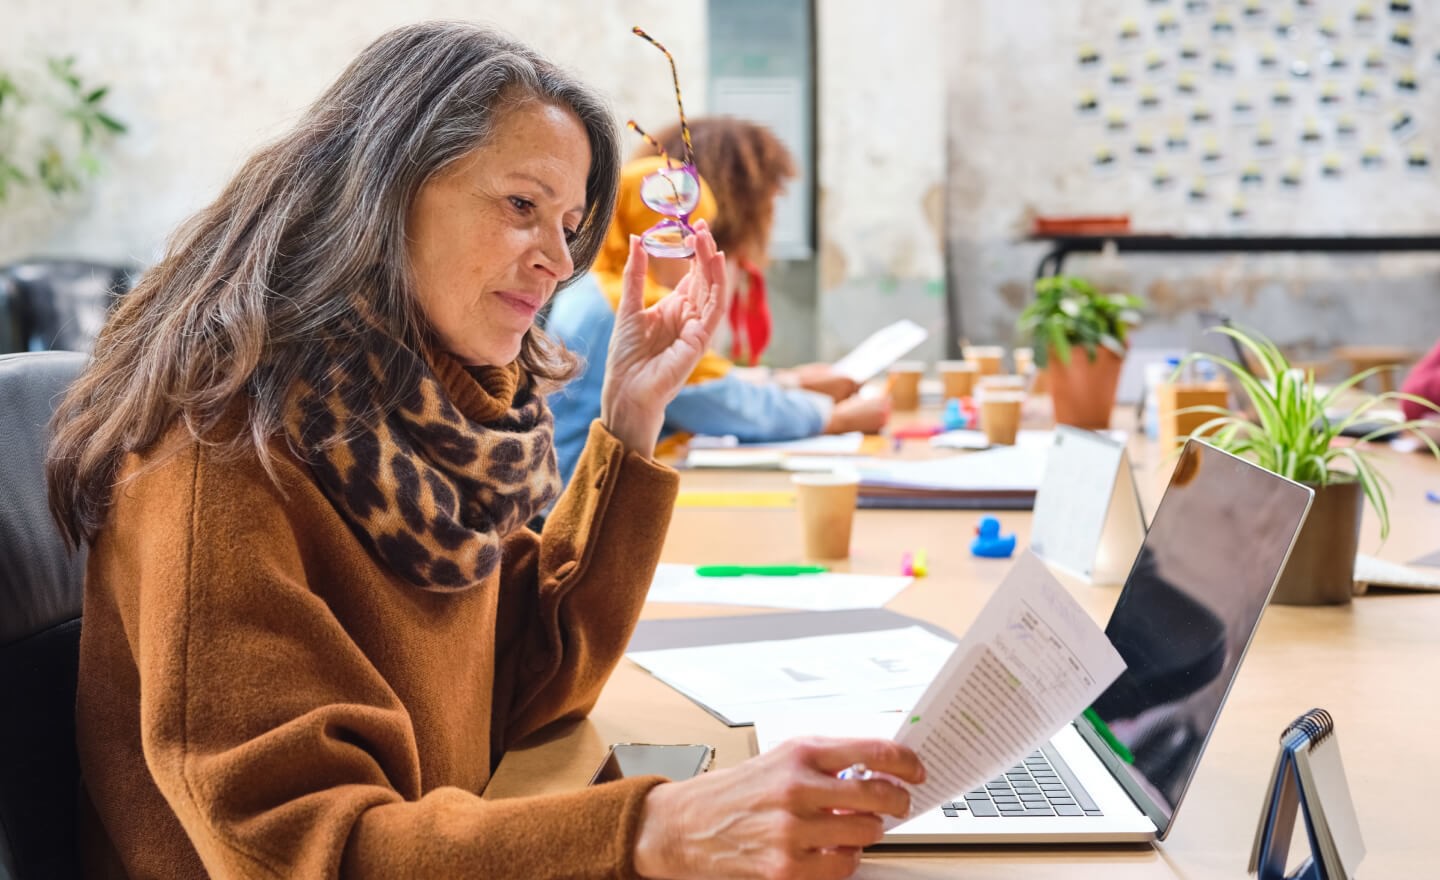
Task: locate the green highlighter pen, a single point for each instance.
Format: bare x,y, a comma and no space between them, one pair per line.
721,571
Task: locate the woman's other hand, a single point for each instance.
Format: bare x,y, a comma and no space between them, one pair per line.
823,378
782,814
654,350
865,414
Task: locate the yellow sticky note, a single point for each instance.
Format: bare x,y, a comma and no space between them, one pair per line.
699,498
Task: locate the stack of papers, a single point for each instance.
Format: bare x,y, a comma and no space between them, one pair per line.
1006,477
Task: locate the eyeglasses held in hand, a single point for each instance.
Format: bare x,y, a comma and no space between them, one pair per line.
672,191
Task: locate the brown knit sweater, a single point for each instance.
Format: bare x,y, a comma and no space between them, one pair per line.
259,697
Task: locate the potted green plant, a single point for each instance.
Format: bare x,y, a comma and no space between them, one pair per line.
1285,430
1079,338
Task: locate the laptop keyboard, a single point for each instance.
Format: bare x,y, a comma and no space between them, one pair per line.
1040,785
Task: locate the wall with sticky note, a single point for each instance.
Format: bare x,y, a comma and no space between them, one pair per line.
1196,117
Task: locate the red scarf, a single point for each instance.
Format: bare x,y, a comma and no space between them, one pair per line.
749,318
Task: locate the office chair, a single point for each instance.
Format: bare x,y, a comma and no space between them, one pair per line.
41,583
12,317
60,304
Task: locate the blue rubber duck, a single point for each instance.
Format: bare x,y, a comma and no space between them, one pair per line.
953,418
989,542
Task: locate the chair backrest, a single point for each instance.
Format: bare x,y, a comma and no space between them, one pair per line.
41,585
14,335
64,303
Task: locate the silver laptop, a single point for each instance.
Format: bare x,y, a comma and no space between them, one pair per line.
1183,621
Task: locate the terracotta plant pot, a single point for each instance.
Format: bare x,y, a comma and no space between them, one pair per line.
1321,570
1084,390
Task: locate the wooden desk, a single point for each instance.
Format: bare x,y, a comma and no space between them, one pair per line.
1374,664
1356,358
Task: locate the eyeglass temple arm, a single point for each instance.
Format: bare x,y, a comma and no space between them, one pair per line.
675,76
635,127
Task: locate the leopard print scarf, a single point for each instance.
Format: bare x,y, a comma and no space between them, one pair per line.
434,486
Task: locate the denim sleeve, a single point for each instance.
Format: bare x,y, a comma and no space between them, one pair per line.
754,413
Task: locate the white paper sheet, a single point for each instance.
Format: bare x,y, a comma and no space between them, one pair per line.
1029,664
847,672
883,348
823,444
1327,792
1372,572
967,439
775,725
715,452
831,591
888,704
961,439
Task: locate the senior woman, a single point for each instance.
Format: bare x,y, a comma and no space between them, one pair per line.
302,458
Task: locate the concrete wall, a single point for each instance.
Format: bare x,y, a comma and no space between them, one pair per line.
942,129
882,169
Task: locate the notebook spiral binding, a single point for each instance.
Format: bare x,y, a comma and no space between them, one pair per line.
1317,725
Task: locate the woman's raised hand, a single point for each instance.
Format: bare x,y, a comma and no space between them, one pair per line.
783,814
654,350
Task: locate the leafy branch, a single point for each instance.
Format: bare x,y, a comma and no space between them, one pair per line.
51,132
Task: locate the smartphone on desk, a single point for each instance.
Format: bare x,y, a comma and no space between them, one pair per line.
674,762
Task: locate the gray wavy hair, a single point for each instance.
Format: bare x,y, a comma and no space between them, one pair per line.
310,232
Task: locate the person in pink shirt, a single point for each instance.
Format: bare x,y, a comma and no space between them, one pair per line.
1423,380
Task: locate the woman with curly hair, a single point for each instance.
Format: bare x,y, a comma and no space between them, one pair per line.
744,168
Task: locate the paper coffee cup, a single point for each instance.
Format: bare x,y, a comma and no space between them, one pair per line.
827,511
958,377
1001,382
986,358
904,384
1025,366
1000,415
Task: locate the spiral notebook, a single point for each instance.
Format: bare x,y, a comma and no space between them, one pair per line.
1308,780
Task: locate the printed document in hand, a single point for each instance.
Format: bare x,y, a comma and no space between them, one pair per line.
1031,662
883,348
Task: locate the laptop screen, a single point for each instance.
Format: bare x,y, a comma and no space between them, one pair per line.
1186,615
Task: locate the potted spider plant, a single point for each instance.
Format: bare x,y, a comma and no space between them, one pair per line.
1285,430
1079,338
